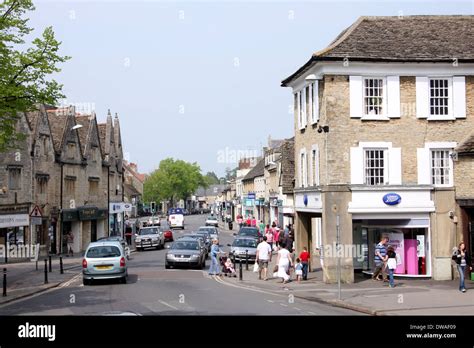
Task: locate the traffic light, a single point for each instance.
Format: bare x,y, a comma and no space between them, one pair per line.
153,207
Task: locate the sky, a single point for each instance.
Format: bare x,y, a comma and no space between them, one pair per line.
199,80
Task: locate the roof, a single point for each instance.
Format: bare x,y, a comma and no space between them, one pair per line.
57,123
466,146
258,170
130,190
400,39
84,121
102,128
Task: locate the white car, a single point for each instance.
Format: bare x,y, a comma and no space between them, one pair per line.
104,260
212,221
176,221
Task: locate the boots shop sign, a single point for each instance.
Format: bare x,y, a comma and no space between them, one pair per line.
116,208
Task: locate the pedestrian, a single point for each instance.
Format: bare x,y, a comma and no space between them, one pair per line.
248,221
380,259
289,242
299,270
253,222
287,230
276,236
240,221
70,243
269,238
304,257
263,257
261,227
391,264
463,260
284,263
215,250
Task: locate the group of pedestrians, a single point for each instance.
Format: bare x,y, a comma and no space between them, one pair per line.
386,259
285,261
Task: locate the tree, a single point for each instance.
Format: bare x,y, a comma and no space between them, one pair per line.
211,178
24,73
172,181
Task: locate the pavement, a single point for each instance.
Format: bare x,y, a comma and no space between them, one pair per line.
409,297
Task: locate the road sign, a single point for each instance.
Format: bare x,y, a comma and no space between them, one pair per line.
36,212
36,220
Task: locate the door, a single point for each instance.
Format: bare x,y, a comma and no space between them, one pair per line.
93,230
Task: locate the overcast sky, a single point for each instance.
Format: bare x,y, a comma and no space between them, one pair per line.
200,80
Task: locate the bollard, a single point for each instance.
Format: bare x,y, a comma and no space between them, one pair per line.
36,264
45,271
50,268
246,260
61,269
240,269
4,282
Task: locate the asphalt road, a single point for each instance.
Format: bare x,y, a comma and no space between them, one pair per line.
152,290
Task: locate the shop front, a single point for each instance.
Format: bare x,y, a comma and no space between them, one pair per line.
403,216
93,223
14,227
70,223
117,213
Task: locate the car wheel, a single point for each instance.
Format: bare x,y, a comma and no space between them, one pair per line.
167,266
86,281
138,249
123,280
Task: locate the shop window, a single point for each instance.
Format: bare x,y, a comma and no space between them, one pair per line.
14,178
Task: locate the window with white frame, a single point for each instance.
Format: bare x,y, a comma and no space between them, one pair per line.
440,167
315,165
439,97
375,163
309,99
373,96
301,109
303,169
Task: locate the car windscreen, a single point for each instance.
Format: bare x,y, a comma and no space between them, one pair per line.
146,231
185,245
210,230
211,218
248,232
245,243
98,252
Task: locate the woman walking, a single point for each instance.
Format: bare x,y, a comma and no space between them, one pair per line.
215,250
284,263
463,260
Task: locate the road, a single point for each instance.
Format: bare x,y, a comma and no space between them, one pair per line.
152,290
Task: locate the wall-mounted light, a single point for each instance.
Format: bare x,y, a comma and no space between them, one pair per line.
324,129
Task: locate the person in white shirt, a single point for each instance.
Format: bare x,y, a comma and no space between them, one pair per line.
263,257
284,263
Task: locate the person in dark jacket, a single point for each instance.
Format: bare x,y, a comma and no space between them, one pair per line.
289,242
463,261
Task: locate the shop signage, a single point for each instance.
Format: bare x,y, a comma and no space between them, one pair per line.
36,220
251,195
392,198
14,220
70,215
249,202
305,200
115,208
89,213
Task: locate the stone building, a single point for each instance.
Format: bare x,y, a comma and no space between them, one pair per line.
378,115
254,191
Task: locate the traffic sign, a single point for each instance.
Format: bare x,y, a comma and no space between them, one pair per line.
36,212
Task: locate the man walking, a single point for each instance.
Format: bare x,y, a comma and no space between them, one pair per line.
263,257
380,259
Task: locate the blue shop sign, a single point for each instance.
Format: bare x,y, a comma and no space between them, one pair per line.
392,198
305,200
251,195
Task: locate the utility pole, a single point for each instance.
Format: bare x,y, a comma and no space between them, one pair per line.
338,247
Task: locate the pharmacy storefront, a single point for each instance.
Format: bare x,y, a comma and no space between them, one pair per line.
401,215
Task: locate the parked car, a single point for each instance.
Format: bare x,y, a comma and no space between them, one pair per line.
165,228
208,238
119,239
212,221
241,245
149,237
200,237
154,221
104,260
187,252
250,232
212,230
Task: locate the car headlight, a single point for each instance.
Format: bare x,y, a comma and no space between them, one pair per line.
194,256
138,240
171,256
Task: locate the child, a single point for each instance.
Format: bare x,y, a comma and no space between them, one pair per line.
230,267
298,270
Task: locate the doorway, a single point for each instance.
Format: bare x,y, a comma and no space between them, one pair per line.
93,230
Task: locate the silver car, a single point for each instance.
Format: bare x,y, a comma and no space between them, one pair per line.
240,246
104,260
187,252
149,237
211,229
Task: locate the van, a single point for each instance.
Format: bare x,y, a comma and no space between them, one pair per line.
176,221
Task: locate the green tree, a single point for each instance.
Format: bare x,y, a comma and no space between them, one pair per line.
211,178
24,69
172,181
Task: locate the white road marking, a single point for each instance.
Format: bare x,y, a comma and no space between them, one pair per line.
70,281
167,304
271,301
298,309
312,313
283,304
